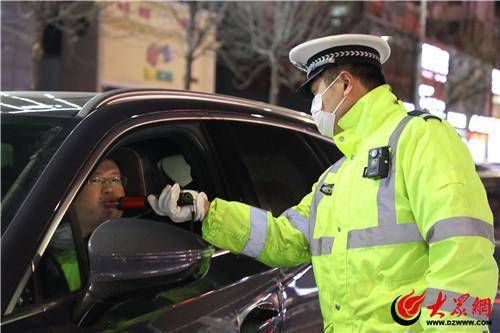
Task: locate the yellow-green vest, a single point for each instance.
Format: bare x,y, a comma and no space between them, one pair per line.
68,262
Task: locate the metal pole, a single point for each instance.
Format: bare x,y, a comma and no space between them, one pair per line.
421,40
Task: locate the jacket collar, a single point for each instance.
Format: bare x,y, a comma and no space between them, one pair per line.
364,118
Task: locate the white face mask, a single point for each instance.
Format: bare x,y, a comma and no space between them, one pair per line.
324,120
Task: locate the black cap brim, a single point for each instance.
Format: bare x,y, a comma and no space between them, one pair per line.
304,90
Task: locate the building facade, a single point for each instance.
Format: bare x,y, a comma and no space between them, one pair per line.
126,45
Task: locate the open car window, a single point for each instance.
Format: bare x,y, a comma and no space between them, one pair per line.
167,155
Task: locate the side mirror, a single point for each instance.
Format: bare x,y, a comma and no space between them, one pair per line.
129,255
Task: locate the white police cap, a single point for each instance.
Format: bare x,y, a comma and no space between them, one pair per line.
314,56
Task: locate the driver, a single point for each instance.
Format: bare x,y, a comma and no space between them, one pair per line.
105,184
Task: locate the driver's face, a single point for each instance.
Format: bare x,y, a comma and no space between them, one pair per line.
89,205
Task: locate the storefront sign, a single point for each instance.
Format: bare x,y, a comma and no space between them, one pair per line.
142,44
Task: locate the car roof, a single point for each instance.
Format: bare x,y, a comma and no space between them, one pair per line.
65,104
81,104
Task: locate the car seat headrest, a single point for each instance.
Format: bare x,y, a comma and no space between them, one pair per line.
176,168
132,167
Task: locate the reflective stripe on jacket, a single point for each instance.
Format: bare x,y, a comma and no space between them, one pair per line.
427,227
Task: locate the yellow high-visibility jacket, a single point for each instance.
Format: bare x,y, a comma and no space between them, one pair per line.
69,264
427,227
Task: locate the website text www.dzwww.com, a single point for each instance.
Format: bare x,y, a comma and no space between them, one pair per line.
457,322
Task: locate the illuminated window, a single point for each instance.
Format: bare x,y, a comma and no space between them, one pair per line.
456,119
495,81
435,59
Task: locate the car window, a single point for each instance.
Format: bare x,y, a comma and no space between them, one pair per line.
28,143
173,154
325,148
127,171
169,156
280,163
22,137
133,171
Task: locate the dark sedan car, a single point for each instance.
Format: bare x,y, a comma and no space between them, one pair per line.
143,273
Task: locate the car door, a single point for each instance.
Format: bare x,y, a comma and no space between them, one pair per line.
231,278
234,284
275,167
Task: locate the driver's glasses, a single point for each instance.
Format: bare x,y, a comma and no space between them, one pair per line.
115,181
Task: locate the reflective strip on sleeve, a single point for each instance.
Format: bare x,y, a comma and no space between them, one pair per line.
459,226
388,231
322,245
298,221
258,232
452,299
318,195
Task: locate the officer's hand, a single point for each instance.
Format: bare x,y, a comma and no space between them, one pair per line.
166,204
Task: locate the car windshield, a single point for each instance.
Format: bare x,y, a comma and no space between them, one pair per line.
28,142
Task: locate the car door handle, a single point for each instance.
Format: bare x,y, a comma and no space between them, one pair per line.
263,318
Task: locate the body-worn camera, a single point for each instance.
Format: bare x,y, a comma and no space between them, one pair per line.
379,163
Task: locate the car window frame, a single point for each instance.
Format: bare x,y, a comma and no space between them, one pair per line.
110,139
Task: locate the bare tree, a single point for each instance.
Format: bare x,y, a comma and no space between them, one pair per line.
198,21
72,18
468,89
256,36
468,85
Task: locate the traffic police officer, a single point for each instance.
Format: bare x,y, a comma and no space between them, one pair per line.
402,213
